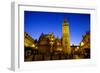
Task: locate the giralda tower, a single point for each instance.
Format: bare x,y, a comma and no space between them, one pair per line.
66,37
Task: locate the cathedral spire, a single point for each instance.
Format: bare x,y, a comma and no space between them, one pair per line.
65,22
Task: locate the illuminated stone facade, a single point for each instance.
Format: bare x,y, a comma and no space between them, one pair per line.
45,42
85,43
49,47
49,43
28,40
66,37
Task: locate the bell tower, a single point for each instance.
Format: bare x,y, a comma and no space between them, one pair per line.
66,37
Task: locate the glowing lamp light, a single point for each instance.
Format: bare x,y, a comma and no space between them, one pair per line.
33,45
77,47
58,43
59,49
52,39
36,47
82,44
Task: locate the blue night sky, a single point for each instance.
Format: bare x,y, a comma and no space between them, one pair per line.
37,22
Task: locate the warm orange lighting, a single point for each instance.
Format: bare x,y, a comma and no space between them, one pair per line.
36,47
33,45
81,44
58,43
77,47
59,49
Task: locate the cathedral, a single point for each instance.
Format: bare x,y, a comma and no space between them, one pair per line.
48,44
45,41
